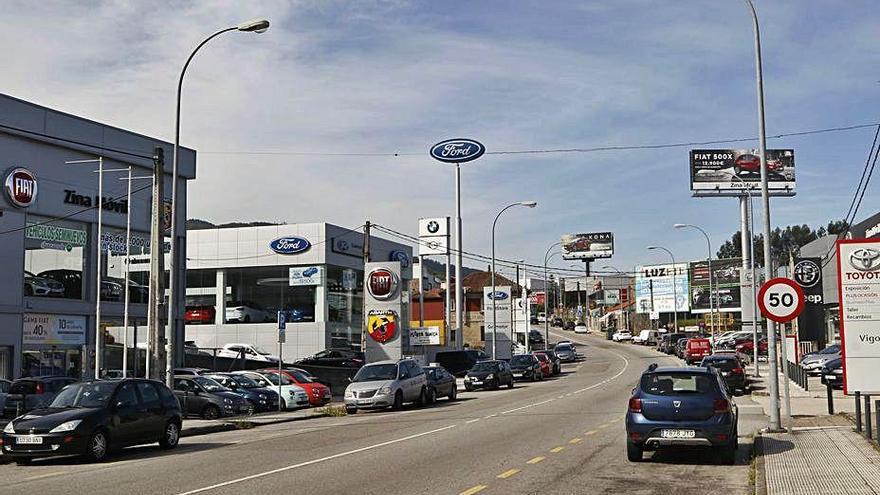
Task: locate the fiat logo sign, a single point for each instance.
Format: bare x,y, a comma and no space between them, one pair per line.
21,187
382,284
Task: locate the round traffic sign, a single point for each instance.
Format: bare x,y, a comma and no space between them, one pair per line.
781,299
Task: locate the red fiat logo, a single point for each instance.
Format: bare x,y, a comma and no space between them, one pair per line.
382,283
21,187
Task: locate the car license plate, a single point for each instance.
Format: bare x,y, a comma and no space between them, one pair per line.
517,375
831,377
475,382
678,433
29,439
364,401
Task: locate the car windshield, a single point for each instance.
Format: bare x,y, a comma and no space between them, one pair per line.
209,384
676,383
376,372
724,364
301,377
542,357
484,366
273,379
244,381
94,394
563,348
521,360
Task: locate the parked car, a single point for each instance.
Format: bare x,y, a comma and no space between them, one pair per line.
200,315
832,373
246,312
533,320
646,337
70,279
544,362
4,390
386,384
536,339
26,394
814,362
319,394
441,383
555,362
667,342
262,399
489,375
190,371
459,362
731,370
621,335
681,407
94,418
580,327
206,398
696,349
542,317
748,347
251,352
566,352
111,290
680,346
336,357
292,395
569,325
42,286
557,322
526,367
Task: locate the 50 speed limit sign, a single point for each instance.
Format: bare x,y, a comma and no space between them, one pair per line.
781,299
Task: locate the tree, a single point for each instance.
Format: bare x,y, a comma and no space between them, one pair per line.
836,227
783,243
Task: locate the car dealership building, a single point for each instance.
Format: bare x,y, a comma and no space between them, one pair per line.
49,233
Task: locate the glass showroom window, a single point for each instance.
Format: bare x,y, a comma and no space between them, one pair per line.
54,258
345,300
113,260
201,297
258,293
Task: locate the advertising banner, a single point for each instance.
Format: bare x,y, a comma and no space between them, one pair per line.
729,172
521,313
53,329
726,285
662,288
306,275
587,246
811,322
611,297
858,279
386,324
502,301
424,336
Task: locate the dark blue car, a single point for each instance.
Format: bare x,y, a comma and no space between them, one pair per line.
681,407
262,399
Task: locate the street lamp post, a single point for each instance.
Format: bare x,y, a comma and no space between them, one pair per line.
255,26
513,309
529,204
712,295
547,256
674,288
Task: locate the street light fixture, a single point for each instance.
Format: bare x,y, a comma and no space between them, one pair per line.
254,26
529,204
674,288
712,295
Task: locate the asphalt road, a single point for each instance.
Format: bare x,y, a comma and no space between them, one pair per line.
564,435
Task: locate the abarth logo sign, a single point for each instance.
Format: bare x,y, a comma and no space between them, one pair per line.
382,325
382,284
865,259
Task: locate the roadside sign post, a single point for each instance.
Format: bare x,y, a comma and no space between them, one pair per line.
282,337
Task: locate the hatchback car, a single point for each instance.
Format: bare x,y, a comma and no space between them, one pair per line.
203,397
681,407
262,399
93,418
386,384
555,362
292,395
489,375
832,373
526,367
441,383
26,394
319,394
731,371
544,363
566,353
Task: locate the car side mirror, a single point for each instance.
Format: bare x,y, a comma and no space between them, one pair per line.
349,379
120,404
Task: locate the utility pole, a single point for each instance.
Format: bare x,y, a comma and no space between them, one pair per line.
155,345
364,317
421,261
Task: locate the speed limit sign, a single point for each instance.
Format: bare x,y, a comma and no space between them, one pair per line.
781,299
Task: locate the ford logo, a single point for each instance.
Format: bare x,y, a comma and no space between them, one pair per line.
308,272
290,245
400,256
457,150
497,295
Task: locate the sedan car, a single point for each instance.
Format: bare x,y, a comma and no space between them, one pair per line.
681,407
566,353
199,314
205,398
262,399
335,358
245,312
621,335
441,383
544,363
489,375
526,367
581,328
42,286
26,394
93,418
248,351
555,362
832,373
812,363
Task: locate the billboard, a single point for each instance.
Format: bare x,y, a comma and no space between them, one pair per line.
858,283
45,329
662,288
726,284
811,322
728,172
587,246
502,301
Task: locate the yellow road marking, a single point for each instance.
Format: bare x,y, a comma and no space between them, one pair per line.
508,474
535,460
592,432
557,450
472,491
575,440
45,475
606,425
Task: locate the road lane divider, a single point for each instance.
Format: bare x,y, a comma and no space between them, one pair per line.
575,440
592,432
507,474
472,491
535,460
557,450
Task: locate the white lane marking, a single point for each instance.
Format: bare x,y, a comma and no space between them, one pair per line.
473,420
490,416
316,461
528,406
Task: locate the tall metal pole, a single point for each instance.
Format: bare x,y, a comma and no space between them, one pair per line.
157,272
521,293
99,347
754,285
775,423
674,285
547,292
459,276
127,288
421,291
447,313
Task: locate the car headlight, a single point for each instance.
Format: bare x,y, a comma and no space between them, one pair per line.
348,393
67,426
9,428
490,376
227,400
291,392
263,396
384,391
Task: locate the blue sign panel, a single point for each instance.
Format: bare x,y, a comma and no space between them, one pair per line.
290,245
457,150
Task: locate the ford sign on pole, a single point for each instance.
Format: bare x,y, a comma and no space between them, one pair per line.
457,150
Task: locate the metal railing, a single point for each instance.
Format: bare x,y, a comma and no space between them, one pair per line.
799,376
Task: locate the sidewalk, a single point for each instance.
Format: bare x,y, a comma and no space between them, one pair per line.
808,408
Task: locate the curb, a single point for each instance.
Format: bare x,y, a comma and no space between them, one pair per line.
760,472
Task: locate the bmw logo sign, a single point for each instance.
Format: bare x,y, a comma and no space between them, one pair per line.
433,226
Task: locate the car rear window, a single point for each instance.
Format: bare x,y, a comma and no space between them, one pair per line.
23,387
676,383
699,344
725,364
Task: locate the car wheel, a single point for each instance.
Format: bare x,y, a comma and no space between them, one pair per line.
246,319
283,404
510,383
633,452
171,436
431,396
97,446
210,412
728,452
423,397
23,461
454,393
351,410
398,401
469,388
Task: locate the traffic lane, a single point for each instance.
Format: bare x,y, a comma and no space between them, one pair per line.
161,471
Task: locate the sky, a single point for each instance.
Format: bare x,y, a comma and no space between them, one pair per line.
302,123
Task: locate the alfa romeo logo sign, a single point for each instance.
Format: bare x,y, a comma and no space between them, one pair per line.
21,187
382,284
807,273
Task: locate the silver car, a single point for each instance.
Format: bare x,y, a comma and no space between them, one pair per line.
386,384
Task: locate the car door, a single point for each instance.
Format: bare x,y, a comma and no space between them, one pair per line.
182,390
128,415
153,424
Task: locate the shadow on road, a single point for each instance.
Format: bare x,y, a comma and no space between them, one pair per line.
701,457
127,454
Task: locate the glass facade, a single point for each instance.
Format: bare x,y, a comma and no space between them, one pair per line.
54,258
113,275
345,301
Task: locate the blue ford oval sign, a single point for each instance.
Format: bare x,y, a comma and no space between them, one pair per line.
290,245
457,150
400,256
497,295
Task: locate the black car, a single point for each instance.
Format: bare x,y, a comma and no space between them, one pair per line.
832,373
335,358
262,399
26,394
731,371
668,341
533,320
536,339
203,397
569,325
92,418
526,367
555,362
557,322
680,347
191,371
441,383
489,375
459,362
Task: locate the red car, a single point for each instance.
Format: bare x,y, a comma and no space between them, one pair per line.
696,349
752,164
319,394
199,314
748,347
544,361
